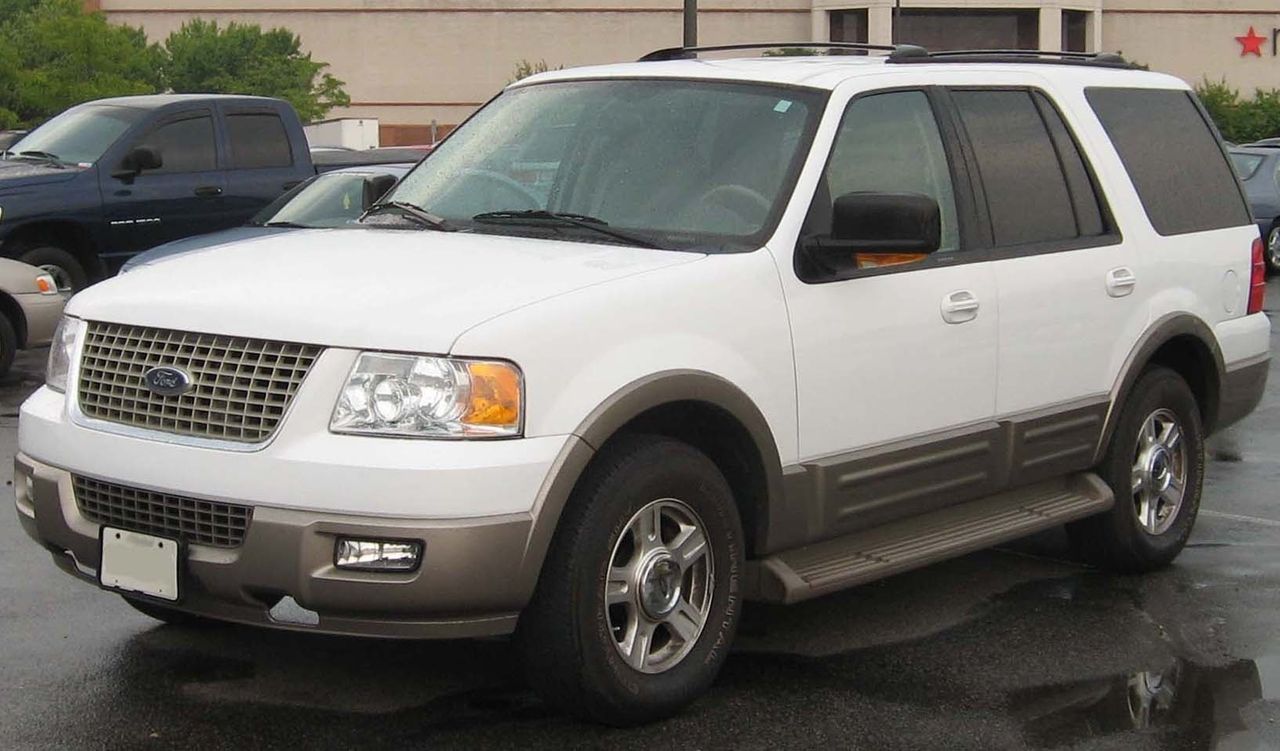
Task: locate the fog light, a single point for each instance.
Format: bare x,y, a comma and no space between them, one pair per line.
377,555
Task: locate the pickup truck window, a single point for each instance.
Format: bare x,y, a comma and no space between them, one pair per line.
258,140
185,145
81,135
685,164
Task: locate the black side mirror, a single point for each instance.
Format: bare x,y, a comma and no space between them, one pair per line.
138,159
871,223
376,187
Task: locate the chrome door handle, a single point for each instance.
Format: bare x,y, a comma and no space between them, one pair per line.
960,306
1121,281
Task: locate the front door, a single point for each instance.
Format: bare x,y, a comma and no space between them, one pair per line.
183,197
895,364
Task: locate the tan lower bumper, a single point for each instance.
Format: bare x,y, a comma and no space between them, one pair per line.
470,582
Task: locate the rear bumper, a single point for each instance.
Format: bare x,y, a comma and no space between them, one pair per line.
1242,390
471,581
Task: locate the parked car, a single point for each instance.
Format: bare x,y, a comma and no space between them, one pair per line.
333,199
773,328
1259,170
108,179
9,137
1266,143
30,306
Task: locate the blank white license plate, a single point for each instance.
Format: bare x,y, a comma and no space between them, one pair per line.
134,562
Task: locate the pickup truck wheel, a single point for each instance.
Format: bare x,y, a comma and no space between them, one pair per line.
168,615
8,344
638,599
65,269
1155,467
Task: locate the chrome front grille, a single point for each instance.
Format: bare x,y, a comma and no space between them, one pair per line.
240,388
190,520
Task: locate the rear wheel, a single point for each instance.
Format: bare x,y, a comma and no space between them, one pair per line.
638,600
1155,467
65,268
1273,249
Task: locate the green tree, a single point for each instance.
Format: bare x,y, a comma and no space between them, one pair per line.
1241,120
243,59
524,69
54,55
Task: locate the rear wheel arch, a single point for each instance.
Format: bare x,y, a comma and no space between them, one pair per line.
698,408
1186,345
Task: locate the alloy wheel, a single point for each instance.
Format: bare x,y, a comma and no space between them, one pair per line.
659,587
1159,476
1273,247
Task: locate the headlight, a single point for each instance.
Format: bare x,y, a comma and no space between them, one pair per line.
429,397
60,351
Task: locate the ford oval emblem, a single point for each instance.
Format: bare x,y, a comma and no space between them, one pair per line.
167,381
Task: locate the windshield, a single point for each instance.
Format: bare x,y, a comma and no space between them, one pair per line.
80,135
330,200
1245,164
684,164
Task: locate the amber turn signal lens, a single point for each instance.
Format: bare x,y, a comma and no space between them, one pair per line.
46,285
495,395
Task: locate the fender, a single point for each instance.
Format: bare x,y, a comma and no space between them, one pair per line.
1156,336
623,406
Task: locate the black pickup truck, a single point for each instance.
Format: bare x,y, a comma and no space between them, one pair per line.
108,179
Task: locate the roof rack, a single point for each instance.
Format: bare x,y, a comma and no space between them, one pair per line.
689,53
910,53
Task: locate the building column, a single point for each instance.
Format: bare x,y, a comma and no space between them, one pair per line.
880,24
819,25
1051,28
1093,37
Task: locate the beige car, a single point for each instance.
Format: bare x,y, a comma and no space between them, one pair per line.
30,306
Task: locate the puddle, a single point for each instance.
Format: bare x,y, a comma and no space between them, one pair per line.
1196,706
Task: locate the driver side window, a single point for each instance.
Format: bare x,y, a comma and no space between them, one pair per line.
889,143
185,145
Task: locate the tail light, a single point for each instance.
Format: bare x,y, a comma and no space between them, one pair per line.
1257,279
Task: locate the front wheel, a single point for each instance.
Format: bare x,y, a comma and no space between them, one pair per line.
1155,466
1273,249
639,598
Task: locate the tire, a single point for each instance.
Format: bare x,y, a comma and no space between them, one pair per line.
8,344
1271,251
65,268
168,615
1117,540
574,645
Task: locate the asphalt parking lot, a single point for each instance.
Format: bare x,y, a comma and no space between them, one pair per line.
1016,648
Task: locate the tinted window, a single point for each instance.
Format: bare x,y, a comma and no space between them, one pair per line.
1085,202
1027,194
185,145
889,143
258,141
1173,158
81,134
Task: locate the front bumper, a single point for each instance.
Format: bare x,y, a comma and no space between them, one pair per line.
471,581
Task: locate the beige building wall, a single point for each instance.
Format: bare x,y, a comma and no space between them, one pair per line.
411,62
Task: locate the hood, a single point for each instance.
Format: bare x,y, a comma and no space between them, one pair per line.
408,290
198,243
26,173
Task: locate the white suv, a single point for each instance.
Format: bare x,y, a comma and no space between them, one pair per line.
640,342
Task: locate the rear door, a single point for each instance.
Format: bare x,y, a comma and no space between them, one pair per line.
1072,290
261,162
183,197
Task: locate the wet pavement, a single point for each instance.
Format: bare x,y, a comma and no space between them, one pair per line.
1008,649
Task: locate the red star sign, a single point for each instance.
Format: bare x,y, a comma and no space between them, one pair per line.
1251,43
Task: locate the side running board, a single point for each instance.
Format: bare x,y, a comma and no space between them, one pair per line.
831,565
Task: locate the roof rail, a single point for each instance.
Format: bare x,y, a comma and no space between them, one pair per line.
689,53
1102,59
910,53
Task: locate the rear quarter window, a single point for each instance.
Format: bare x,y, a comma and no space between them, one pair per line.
1172,156
257,141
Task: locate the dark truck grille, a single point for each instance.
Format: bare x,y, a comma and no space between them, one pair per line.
190,520
240,388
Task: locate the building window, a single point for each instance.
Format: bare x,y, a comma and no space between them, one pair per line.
970,29
1075,31
849,26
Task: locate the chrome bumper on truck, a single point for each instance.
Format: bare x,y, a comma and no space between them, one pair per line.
466,585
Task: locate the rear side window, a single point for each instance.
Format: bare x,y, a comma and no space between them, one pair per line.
258,140
1037,186
184,145
1177,166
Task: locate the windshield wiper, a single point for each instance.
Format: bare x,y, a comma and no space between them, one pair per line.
416,213
289,225
46,156
541,216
